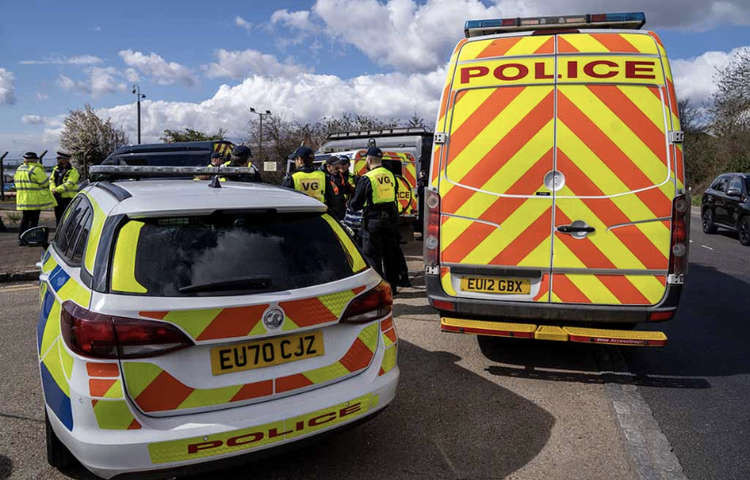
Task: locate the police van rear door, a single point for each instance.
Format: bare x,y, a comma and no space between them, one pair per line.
614,181
497,213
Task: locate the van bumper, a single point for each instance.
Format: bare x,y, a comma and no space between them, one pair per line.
541,312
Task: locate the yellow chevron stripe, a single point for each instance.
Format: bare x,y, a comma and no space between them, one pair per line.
114,391
53,362
95,233
649,104
527,45
288,324
593,288
327,373
445,282
200,397
51,329
138,376
644,42
584,42
649,286
468,104
113,414
389,359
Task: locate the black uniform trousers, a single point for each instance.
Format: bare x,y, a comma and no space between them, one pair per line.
62,204
29,219
380,244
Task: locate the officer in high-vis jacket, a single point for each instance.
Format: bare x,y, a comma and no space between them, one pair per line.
376,194
63,183
33,195
308,179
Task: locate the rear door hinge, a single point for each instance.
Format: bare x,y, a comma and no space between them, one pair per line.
441,138
676,136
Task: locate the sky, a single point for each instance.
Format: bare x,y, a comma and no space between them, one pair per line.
203,65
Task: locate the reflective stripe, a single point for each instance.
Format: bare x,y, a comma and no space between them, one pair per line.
355,259
114,415
123,264
96,231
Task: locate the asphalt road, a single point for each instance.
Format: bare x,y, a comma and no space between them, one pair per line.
471,408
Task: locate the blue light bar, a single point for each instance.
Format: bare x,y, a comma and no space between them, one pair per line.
632,20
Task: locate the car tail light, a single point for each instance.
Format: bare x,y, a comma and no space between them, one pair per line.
443,305
660,316
373,304
678,252
432,230
105,336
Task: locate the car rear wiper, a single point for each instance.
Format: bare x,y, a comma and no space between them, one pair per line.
245,283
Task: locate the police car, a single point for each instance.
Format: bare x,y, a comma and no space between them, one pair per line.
181,324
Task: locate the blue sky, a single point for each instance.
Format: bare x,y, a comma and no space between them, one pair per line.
203,64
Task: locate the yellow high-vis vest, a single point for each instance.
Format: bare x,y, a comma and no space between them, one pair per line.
32,187
311,183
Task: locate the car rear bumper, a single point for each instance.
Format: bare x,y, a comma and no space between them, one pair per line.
166,444
541,312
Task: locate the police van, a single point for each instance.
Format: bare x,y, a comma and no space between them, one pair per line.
183,322
556,206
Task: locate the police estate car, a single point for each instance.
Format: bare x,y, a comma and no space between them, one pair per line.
181,323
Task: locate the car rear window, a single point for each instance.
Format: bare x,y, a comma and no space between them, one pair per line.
230,254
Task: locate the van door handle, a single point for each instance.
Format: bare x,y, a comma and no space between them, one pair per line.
575,229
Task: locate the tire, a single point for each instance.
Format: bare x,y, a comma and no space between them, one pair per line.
58,454
743,230
708,221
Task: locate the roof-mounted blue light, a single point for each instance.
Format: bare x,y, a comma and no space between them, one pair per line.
632,20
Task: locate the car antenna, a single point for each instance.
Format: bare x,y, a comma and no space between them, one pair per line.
215,182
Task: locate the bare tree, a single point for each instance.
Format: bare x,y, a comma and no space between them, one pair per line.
731,113
89,138
191,135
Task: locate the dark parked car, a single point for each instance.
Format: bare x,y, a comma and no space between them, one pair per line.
726,204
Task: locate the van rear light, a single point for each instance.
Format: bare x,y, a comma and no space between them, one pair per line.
371,305
105,336
660,316
432,230
678,246
443,305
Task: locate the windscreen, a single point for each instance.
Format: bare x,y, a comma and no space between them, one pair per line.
230,254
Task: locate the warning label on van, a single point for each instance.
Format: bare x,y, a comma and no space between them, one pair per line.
574,69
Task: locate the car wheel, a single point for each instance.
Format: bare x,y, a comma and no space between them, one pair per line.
708,221
744,231
58,454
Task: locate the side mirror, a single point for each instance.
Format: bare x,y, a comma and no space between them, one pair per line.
734,192
36,237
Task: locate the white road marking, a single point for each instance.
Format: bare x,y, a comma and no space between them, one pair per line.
18,288
706,246
649,449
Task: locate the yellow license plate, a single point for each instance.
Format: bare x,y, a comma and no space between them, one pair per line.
500,285
267,352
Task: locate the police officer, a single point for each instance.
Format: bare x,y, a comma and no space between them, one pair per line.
343,165
33,194
307,179
339,188
63,183
376,194
241,158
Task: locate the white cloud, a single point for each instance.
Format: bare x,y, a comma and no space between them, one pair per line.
242,23
131,75
32,119
299,19
240,64
307,97
413,35
100,81
75,60
695,78
154,66
41,96
7,87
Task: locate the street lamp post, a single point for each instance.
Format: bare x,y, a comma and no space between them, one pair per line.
260,140
138,96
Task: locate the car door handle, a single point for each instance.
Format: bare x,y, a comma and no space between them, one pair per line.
575,229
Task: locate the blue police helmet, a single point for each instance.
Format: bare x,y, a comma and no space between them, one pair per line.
374,152
242,151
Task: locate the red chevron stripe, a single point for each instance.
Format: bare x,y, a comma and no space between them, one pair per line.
469,239
547,47
233,322
543,288
99,386
615,43
584,249
306,312
623,289
291,382
527,241
164,393
357,357
253,390
567,290
637,121
564,46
